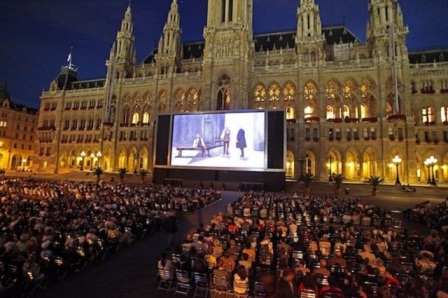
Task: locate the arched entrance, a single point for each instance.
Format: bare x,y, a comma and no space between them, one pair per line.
369,163
16,162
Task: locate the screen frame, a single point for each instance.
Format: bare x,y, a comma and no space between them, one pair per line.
236,169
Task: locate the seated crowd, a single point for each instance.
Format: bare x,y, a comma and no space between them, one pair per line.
287,245
53,229
432,216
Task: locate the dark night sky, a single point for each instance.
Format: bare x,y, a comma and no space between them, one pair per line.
36,35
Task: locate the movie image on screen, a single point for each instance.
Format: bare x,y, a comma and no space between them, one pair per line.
219,140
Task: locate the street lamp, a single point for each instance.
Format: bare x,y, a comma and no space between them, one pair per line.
430,163
136,161
24,160
426,163
397,160
301,159
83,154
92,158
98,156
330,161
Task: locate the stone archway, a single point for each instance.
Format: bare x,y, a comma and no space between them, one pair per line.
290,164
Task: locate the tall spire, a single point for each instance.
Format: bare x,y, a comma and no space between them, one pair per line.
309,26
169,50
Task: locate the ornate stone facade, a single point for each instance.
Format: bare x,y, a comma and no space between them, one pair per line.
351,106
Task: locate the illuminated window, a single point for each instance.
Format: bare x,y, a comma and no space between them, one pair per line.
349,88
135,118
444,114
308,111
428,114
259,93
310,91
388,109
289,92
145,117
274,92
363,111
192,98
330,112
332,90
290,113
346,112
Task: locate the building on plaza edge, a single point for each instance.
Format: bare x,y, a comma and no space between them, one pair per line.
17,133
351,106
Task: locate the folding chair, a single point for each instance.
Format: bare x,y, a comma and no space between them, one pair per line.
32,283
183,282
260,290
201,285
166,280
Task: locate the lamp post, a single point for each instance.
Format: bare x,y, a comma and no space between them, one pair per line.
430,163
23,164
330,161
92,158
83,154
301,160
397,160
98,156
135,165
426,163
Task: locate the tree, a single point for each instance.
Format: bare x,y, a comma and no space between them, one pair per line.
375,181
98,172
307,179
143,173
122,173
337,180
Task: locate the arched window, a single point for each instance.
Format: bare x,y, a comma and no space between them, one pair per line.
274,96
192,100
224,98
145,118
259,93
274,92
290,113
308,112
349,89
289,92
332,90
330,112
135,118
163,99
125,118
388,109
346,112
310,91
444,114
363,111
428,115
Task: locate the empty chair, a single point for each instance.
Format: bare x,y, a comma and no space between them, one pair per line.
201,285
260,290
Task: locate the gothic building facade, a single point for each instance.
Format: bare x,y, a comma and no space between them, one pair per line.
351,106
